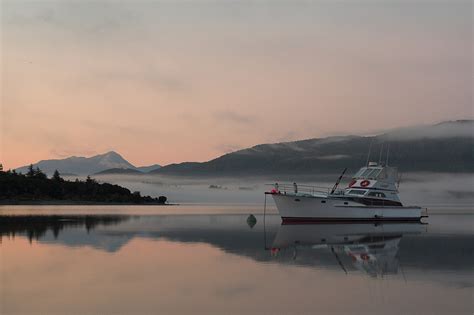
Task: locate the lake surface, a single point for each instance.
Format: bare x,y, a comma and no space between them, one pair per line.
207,259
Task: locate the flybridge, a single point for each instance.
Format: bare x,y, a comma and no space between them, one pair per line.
377,172
374,177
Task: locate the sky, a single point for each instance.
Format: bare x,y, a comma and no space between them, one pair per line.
173,81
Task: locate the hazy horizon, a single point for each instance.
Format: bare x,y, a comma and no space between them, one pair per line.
166,82
447,129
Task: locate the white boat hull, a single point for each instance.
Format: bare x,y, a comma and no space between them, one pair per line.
295,208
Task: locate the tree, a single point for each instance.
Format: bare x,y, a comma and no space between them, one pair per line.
56,177
31,171
39,174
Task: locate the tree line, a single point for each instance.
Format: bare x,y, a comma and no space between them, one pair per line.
36,186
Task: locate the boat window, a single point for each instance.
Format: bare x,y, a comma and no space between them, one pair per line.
366,172
377,194
374,173
357,192
359,173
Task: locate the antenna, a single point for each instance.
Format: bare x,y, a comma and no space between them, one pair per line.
380,157
388,152
368,155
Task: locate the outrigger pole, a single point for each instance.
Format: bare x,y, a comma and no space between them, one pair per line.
338,181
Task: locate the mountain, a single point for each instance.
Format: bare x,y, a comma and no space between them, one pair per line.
82,165
119,171
146,169
107,163
444,147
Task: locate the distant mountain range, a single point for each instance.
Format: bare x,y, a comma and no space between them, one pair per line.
444,147
146,169
118,171
111,162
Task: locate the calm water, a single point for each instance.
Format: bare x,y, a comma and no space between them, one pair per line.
210,260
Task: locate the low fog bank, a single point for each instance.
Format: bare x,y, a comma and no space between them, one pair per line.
447,129
443,192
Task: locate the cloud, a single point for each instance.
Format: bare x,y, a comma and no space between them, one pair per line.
145,77
113,128
68,152
75,17
233,117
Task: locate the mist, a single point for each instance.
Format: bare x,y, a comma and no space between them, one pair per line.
439,192
460,128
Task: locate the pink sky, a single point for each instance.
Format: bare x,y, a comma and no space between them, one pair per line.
163,82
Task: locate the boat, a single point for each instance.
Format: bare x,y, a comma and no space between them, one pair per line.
372,195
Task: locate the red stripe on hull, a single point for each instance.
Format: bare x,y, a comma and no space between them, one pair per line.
299,220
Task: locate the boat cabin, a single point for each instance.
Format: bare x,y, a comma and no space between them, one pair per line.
375,183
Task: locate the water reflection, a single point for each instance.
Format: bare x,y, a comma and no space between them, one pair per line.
175,264
373,249
370,248
35,227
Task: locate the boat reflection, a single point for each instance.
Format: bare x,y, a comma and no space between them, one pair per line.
369,248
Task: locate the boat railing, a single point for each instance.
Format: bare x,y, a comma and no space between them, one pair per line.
304,189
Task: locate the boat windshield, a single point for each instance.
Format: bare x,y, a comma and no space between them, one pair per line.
359,173
374,173
356,192
367,172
